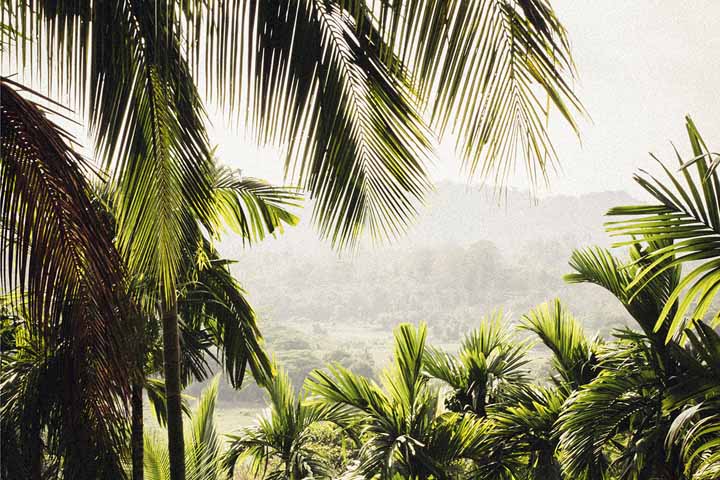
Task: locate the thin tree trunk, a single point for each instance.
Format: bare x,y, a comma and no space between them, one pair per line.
171,353
137,431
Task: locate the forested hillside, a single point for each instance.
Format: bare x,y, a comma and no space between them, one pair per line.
468,254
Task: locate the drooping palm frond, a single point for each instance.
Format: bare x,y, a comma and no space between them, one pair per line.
56,249
696,428
686,219
215,304
482,66
696,431
573,355
629,421
344,83
488,63
490,361
203,450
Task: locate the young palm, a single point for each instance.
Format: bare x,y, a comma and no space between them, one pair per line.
404,431
574,356
489,364
625,413
280,445
685,220
204,450
695,395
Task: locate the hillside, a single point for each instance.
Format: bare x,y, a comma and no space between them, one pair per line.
465,257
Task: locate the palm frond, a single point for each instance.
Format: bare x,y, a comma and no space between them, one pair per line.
599,266
489,362
203,451
482,66
489,63
58,251
573,355
251,207
686,218
214,303
279,445
697,433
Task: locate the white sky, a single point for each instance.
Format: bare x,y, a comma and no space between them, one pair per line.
642,66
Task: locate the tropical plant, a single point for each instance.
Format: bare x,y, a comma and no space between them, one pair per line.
211,305
650,385
204,451
71,336
574,356
491,382
280,445
402,427
346,106
685,222
489,364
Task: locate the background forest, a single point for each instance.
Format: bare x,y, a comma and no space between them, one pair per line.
450,270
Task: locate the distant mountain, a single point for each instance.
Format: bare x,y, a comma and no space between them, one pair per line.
461,215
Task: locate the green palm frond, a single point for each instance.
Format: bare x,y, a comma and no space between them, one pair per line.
599,266
618,420
490,361
58,252
696,431
203,450
279,445
502,57
343,83
251,207
215,303
686,218
573,355
482,66
523,431
404,431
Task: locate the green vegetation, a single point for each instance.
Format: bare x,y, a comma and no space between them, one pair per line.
113,288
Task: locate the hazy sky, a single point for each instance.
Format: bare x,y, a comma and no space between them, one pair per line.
642,66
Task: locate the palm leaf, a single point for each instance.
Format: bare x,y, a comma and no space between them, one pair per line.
686,219
599,266
573,355
58,251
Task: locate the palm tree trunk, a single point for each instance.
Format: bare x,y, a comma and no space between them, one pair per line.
137,431
171,349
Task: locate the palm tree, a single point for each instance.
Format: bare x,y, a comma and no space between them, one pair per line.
650,385
402,427
489,364
490,382
212,309
59,263
204,451
214,317
280,444
695,429
574,356
346,105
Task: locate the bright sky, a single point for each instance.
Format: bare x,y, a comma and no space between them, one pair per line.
642,66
